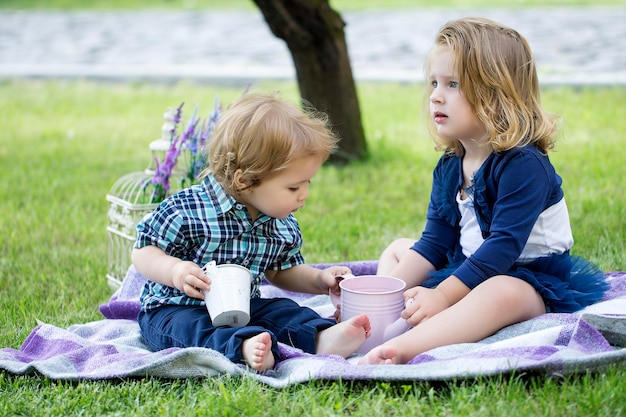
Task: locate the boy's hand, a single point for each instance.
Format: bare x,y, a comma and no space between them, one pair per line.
307,279
191,279
327,278
335,272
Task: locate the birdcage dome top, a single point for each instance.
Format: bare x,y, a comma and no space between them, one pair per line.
132,190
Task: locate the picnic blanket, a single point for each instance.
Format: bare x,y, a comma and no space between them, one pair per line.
111,348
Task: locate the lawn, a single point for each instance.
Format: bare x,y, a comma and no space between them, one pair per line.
66,142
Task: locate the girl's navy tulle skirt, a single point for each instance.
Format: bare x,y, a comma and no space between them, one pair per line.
567,283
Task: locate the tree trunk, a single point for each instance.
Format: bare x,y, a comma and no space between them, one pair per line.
315,37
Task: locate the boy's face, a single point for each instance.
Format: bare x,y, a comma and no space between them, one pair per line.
283,193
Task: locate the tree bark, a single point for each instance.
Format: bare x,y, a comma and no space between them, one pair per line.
314,34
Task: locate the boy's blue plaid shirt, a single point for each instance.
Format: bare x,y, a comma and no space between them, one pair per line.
203,223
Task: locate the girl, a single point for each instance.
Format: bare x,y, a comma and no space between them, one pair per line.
495,247
262,156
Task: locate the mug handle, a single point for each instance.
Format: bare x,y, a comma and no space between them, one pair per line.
397,327
334,298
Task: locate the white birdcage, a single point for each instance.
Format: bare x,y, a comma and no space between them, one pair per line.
129,201
133,195
124,213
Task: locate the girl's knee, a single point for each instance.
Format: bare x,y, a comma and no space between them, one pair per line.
392,255
397,249
515,294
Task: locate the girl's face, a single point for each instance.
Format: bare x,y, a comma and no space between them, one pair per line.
452,114
283,193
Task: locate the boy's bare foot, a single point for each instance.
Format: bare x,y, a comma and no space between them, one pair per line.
257,352
344,338
380,355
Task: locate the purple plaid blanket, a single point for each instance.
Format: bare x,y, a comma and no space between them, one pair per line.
554,344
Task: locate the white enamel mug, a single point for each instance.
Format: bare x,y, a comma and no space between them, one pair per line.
228,301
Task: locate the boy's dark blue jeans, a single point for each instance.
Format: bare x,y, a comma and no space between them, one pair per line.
190,326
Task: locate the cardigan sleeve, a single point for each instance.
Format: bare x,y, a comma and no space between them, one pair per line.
441,233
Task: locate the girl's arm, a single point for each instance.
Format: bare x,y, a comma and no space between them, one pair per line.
453,289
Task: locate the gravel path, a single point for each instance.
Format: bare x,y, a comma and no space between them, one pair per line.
571,45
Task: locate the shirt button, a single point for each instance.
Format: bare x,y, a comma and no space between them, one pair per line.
245,262
238,206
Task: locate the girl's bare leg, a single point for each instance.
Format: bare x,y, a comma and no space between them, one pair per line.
392,255
492,305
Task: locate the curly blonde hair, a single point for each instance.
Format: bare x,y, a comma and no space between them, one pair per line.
261,134
498,77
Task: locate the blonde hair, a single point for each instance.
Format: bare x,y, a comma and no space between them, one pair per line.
498,77
261,134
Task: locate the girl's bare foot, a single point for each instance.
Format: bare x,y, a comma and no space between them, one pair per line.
380,355
344,338
257,352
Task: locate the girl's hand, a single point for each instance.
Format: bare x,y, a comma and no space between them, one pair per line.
426,302
190,279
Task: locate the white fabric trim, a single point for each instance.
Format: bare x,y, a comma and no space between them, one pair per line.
551,233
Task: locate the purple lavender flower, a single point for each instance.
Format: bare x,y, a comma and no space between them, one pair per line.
178,116
193,141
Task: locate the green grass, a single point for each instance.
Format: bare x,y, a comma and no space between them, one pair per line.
497,397
66,142
342,5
